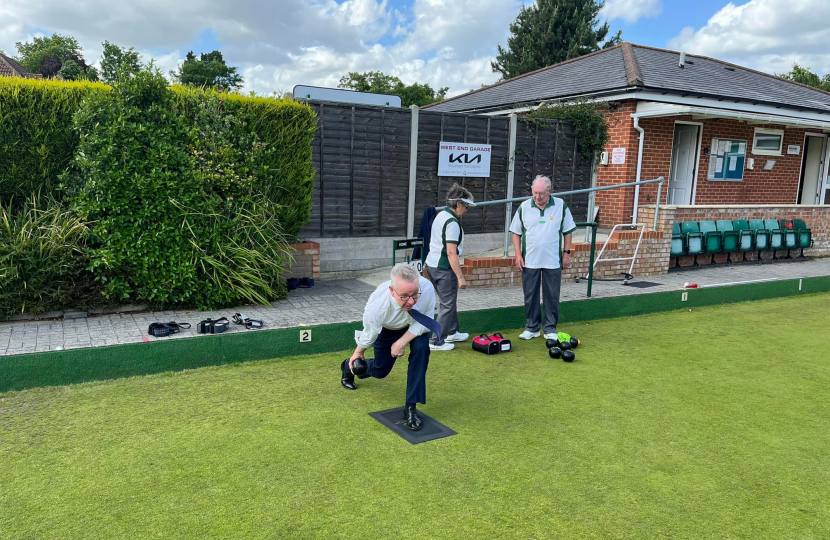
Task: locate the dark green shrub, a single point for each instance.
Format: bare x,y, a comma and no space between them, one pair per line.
180,220
37,141
43,263
284,173
588,120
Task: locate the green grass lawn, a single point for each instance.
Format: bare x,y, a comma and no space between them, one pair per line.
713,423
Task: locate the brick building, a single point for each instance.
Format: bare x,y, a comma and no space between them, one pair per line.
721,134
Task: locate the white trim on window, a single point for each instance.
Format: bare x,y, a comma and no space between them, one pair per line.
766,151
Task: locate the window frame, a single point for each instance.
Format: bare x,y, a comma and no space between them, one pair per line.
765,152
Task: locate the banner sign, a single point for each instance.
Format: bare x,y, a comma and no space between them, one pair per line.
464,159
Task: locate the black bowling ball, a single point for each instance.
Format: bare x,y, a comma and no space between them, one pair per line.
360,366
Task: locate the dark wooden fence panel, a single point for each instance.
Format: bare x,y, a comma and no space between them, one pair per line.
361,160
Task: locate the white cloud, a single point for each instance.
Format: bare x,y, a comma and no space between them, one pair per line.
630,10
769,35
280,43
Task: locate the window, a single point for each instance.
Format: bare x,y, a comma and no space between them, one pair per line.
768,142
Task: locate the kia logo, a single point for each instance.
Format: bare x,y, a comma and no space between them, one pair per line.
465,158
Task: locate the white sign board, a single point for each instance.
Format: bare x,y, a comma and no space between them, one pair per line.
464,159
618,156
793,149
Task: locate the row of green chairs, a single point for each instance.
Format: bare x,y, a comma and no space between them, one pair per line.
740,235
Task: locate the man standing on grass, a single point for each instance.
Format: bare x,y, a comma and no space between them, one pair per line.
542,228
400,312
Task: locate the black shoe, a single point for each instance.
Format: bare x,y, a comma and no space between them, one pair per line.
411,420
346,376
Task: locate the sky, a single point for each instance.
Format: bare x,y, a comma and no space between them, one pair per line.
277,44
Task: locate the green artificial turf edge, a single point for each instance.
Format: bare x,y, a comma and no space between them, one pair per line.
20,372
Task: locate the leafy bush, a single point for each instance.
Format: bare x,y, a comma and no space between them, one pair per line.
36,137
43,264
587,118
173,190
37,140
284,173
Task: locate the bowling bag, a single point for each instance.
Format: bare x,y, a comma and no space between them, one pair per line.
492,344
504,343
485,345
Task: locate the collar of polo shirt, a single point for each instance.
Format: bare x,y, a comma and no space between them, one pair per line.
534,205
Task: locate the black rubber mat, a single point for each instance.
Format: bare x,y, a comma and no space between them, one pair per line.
430,430
642,284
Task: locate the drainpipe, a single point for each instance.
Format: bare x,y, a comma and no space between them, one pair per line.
636,118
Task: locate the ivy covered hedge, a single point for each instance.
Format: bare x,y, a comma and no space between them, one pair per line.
173,196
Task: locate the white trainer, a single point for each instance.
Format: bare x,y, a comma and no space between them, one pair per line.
443,347
552,335
458,336
527,334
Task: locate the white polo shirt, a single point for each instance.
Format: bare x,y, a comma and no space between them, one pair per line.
541,232
382,311
445,230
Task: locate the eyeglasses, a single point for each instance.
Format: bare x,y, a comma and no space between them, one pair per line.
406,297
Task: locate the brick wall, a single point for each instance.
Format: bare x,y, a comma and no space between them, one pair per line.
614,202
652,259
306,261
778,186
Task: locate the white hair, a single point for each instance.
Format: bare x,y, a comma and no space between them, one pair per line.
405,272
544,179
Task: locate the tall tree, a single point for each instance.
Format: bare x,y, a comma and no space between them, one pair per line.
117,59
209,70
46,55
552,31
803,75
381,83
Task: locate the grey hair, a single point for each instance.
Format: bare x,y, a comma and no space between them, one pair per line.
546,179
405,272
457,192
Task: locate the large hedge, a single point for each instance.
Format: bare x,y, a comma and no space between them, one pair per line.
37,140
286,127
36,137
170,197
180,219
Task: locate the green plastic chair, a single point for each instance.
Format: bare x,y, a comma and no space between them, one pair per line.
677,243
776,238
745,234
790,241
693,237
712,238
805,235
761,234
730,235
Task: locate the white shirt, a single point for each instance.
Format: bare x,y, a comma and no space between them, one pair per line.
540,231
445,230
382,311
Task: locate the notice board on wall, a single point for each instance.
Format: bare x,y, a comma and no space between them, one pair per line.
726,159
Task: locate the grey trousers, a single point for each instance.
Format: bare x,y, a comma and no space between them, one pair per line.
550,280
446,288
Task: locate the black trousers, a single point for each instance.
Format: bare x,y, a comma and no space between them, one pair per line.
383,362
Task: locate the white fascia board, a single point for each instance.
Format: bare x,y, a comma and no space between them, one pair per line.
729,106
647,109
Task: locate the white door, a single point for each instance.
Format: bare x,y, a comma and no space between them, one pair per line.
682,174
811,171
